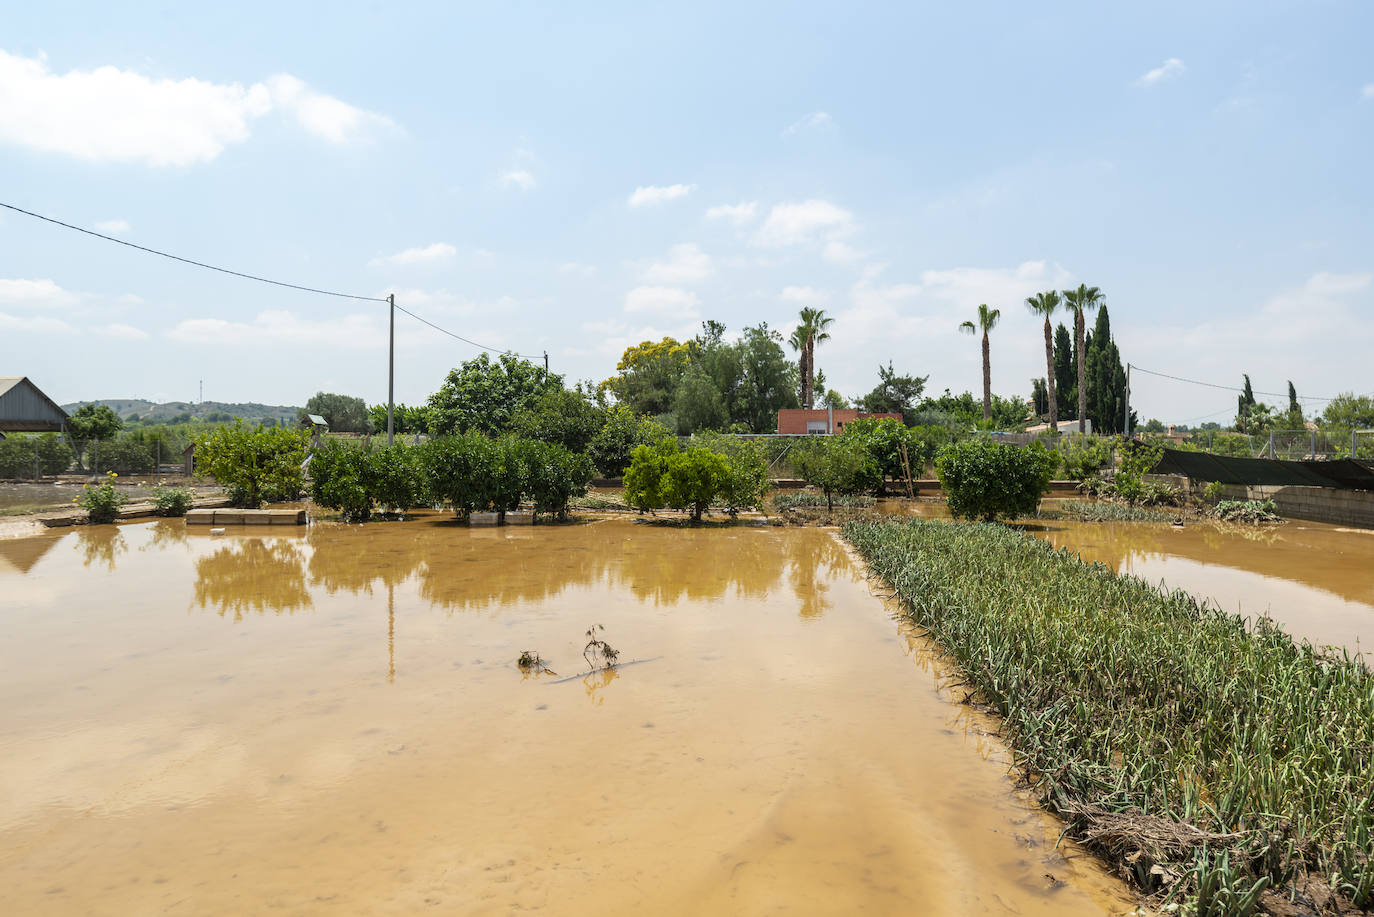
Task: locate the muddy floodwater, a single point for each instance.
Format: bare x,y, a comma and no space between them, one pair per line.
1316,580
331,721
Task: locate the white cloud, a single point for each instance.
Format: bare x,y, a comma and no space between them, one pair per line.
807,221
41,294
437,251
1171,68
685,264
114,115
815,120
1367,92
807,296
41,324
516,178
649,195
124,332
129,299
285,328
739,214
113,226
837,252
667,301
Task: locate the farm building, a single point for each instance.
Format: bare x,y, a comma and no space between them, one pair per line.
821,420
25,409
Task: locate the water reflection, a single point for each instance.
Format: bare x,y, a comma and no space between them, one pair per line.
252,574
100,545
165,533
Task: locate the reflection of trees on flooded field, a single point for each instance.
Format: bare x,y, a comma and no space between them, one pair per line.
353,559
814,558
101,544
253,575
596,682
668,565
164,533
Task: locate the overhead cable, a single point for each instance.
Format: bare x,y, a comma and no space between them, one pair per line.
1229,388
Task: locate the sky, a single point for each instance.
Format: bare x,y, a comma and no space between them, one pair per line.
578,178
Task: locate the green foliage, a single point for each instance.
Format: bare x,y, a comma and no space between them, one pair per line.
344,413
31,456
647,375
560,416
338,480
746,481
254,465
1214,492
483,395
885,440
1080,457
1135,459
1246,511
1065,374
894,394
553,476
1089,511
810,499
93,422
102,501
837,465
125,453
692,479
172,501
1125,703
623,430
988,481
458,470
405,419
698,404
644,476
1106,379
1350,412
395,477
965,411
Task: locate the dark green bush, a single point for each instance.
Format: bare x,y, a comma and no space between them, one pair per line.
172,501
986,480
746,481
125,454
885,439
644,476
693,478
395,477
553,476
254,465
623,431
457,471
339,480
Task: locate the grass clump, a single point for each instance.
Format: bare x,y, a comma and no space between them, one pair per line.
1246,511
1212,762
1089,511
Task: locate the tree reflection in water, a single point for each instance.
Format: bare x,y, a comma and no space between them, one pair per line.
813,560
101,544
166,532
253,575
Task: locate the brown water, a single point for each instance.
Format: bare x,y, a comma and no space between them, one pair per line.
332,722
1316,580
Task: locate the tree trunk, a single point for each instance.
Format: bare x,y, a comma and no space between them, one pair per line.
808,381
987,378
1049,378
1082,371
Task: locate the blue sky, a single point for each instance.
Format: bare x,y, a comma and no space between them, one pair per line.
577,178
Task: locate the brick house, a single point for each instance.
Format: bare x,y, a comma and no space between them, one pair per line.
822,420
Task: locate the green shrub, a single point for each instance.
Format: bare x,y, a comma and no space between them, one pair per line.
746,482
17,457
644,476
1246,511
837,465
988,481
1081,457
102,501
172,501
810,499
394,477
126,454
457,471
254,465
611,447
693,478
1214,492
894,447
339,480
554,475
1135,459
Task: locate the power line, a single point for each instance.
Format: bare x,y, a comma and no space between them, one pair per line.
278,283
211,267
1229,388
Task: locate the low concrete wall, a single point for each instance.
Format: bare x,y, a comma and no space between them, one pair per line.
1313,504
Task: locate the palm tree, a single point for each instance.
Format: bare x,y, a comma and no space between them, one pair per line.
809,333
1045,304
1083,299
798,343
987,320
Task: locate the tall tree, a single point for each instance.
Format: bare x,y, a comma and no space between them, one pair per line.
893,394
987,320
809,333
1045,304
343,413
770,381
1082,300
1106,379
1065,384
484,394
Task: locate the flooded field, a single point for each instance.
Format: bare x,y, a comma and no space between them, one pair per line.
1316,580
332,721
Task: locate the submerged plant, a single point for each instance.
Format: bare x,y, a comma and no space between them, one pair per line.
599,648
1246,511
530,662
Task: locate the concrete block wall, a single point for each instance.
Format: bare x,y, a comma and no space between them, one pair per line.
1314,504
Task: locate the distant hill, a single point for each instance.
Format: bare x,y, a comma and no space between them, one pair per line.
180,411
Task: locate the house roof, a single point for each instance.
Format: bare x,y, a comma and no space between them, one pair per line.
25,409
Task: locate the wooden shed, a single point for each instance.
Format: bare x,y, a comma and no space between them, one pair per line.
25,409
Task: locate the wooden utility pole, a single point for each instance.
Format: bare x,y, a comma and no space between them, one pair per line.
391,375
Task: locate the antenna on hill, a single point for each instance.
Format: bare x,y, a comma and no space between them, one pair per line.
201,398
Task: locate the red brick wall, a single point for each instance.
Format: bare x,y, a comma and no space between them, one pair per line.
794,420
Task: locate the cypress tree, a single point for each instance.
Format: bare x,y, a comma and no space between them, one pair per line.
1065,373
